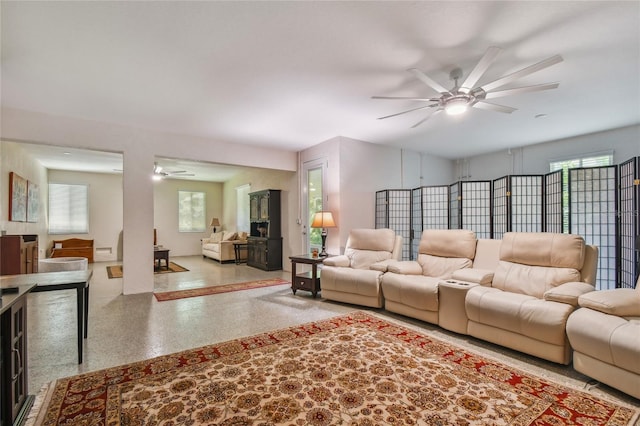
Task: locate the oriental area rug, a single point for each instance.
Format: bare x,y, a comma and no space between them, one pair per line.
115,271
355,369
217,289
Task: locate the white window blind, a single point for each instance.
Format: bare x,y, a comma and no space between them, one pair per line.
191,211
68,209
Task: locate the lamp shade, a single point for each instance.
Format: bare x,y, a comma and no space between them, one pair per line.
215,222
323,219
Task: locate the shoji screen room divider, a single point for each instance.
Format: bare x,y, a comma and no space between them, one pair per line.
599,203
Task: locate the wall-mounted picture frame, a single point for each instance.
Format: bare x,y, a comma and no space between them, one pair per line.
33,202
17,198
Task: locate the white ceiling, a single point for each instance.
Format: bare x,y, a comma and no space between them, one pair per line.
293,74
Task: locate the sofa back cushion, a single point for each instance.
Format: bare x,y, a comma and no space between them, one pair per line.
487,254
448,243
531,280
443,251
532,263
441,267
368,246
543,249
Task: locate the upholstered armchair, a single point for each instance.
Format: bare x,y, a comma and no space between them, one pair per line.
354,277
411,287
605,336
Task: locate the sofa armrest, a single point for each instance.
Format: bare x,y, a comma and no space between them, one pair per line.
567,293
206,241
341,260
471,275
406,267
622,302
383,265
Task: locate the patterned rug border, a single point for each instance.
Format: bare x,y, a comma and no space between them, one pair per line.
173,267
217,289
55,390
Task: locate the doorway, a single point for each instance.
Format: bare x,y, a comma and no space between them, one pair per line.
314,200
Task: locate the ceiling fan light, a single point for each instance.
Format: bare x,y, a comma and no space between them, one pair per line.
456,106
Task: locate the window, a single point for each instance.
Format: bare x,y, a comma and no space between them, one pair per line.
594,160
68,209
242,208
191,211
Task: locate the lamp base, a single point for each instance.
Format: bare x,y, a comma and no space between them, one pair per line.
323,235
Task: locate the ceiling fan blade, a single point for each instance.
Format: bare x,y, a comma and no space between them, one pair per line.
429,115
406,98
523,72
409,110
494,107
519,90
428,81
173,172
480,69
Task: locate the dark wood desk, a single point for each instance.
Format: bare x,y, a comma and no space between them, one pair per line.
65,280
160,254
309,281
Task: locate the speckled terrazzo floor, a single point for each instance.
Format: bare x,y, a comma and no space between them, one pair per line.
124,329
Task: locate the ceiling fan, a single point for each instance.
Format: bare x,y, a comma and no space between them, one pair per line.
160,173
462,97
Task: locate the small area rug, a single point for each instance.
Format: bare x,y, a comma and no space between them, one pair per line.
355,369
115,271
226,288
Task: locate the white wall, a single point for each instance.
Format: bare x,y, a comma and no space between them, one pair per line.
535,159
357,169
14,159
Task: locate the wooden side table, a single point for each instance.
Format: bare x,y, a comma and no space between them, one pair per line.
160,254
308,281
238,246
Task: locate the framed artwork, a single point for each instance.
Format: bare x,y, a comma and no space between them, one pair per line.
33,202
17,198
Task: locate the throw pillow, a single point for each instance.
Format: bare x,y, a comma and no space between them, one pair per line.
216,237
229,236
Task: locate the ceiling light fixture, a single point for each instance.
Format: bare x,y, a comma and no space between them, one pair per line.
457,105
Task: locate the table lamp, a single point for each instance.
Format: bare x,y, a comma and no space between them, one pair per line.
214,222
324,220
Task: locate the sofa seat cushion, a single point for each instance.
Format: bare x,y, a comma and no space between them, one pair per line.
363,282
608,338
519,313
416,291
214,247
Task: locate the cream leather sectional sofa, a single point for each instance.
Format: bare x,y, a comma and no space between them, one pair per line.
531,292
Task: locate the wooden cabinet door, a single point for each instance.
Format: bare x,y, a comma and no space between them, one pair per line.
253,207
14,360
